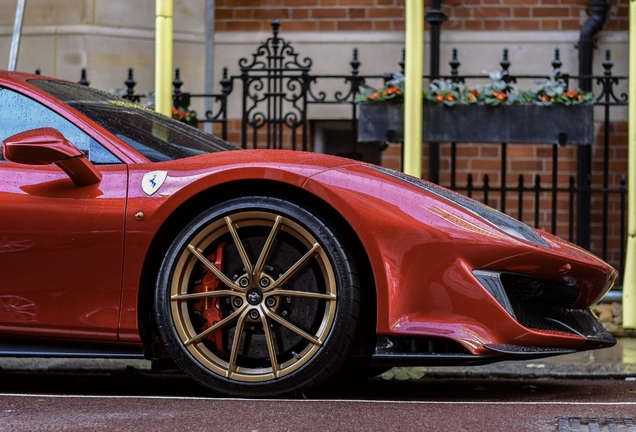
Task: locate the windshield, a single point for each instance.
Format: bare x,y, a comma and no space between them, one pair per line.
156,137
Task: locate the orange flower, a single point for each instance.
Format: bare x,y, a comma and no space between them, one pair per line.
439,98
392,90
178,114
373,96
500,95
579,96
546,98
570,94
472,97
449,97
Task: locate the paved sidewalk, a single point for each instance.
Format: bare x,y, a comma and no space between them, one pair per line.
618,362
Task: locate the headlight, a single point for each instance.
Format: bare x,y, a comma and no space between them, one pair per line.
502,221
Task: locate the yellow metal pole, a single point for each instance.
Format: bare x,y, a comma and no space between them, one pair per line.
414,23
629,279
163,56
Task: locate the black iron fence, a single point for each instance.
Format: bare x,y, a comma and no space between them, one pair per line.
278,91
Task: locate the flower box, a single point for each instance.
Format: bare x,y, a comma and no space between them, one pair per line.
519,123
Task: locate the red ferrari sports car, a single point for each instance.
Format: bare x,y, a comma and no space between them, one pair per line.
124,233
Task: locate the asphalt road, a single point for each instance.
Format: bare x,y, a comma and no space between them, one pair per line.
131,399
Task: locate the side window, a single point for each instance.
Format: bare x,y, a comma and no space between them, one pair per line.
19,113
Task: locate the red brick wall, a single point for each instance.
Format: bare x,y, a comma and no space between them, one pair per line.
310,15
528,14
386,15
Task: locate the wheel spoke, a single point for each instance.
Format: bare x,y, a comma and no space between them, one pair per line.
218,273
293,269
199,295
270,344
238,332
304,294
241,250
225,321
293,328
266,247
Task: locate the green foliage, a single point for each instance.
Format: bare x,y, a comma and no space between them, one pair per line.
499,91
393,91
554,91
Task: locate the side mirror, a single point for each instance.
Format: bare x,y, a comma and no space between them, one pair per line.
46,146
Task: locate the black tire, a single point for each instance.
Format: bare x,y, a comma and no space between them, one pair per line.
297,309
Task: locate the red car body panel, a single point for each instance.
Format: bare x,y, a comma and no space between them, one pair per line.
63,252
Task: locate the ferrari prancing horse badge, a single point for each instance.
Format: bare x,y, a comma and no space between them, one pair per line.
152,181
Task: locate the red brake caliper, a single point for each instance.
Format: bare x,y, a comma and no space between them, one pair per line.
210,308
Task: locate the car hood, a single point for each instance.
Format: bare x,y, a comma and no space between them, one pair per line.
308,164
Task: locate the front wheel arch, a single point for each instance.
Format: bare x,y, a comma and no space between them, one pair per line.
364,341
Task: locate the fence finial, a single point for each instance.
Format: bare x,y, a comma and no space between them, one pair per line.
177,83
556,62
275,27
355,63
608,64
454,64
226,83
505,63
83,80
130,84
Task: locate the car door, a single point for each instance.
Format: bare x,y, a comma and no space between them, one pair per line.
61,246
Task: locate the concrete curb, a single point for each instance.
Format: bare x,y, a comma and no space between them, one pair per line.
537,370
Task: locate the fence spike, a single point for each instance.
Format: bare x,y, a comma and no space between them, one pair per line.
608,64
454,63
177,83
226,83
83,80
556,62
505,63
486,188
275,28
355,63
537,192
130,84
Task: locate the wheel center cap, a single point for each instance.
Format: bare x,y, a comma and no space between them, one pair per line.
254,296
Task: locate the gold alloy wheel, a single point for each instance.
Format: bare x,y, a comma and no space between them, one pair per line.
278,293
